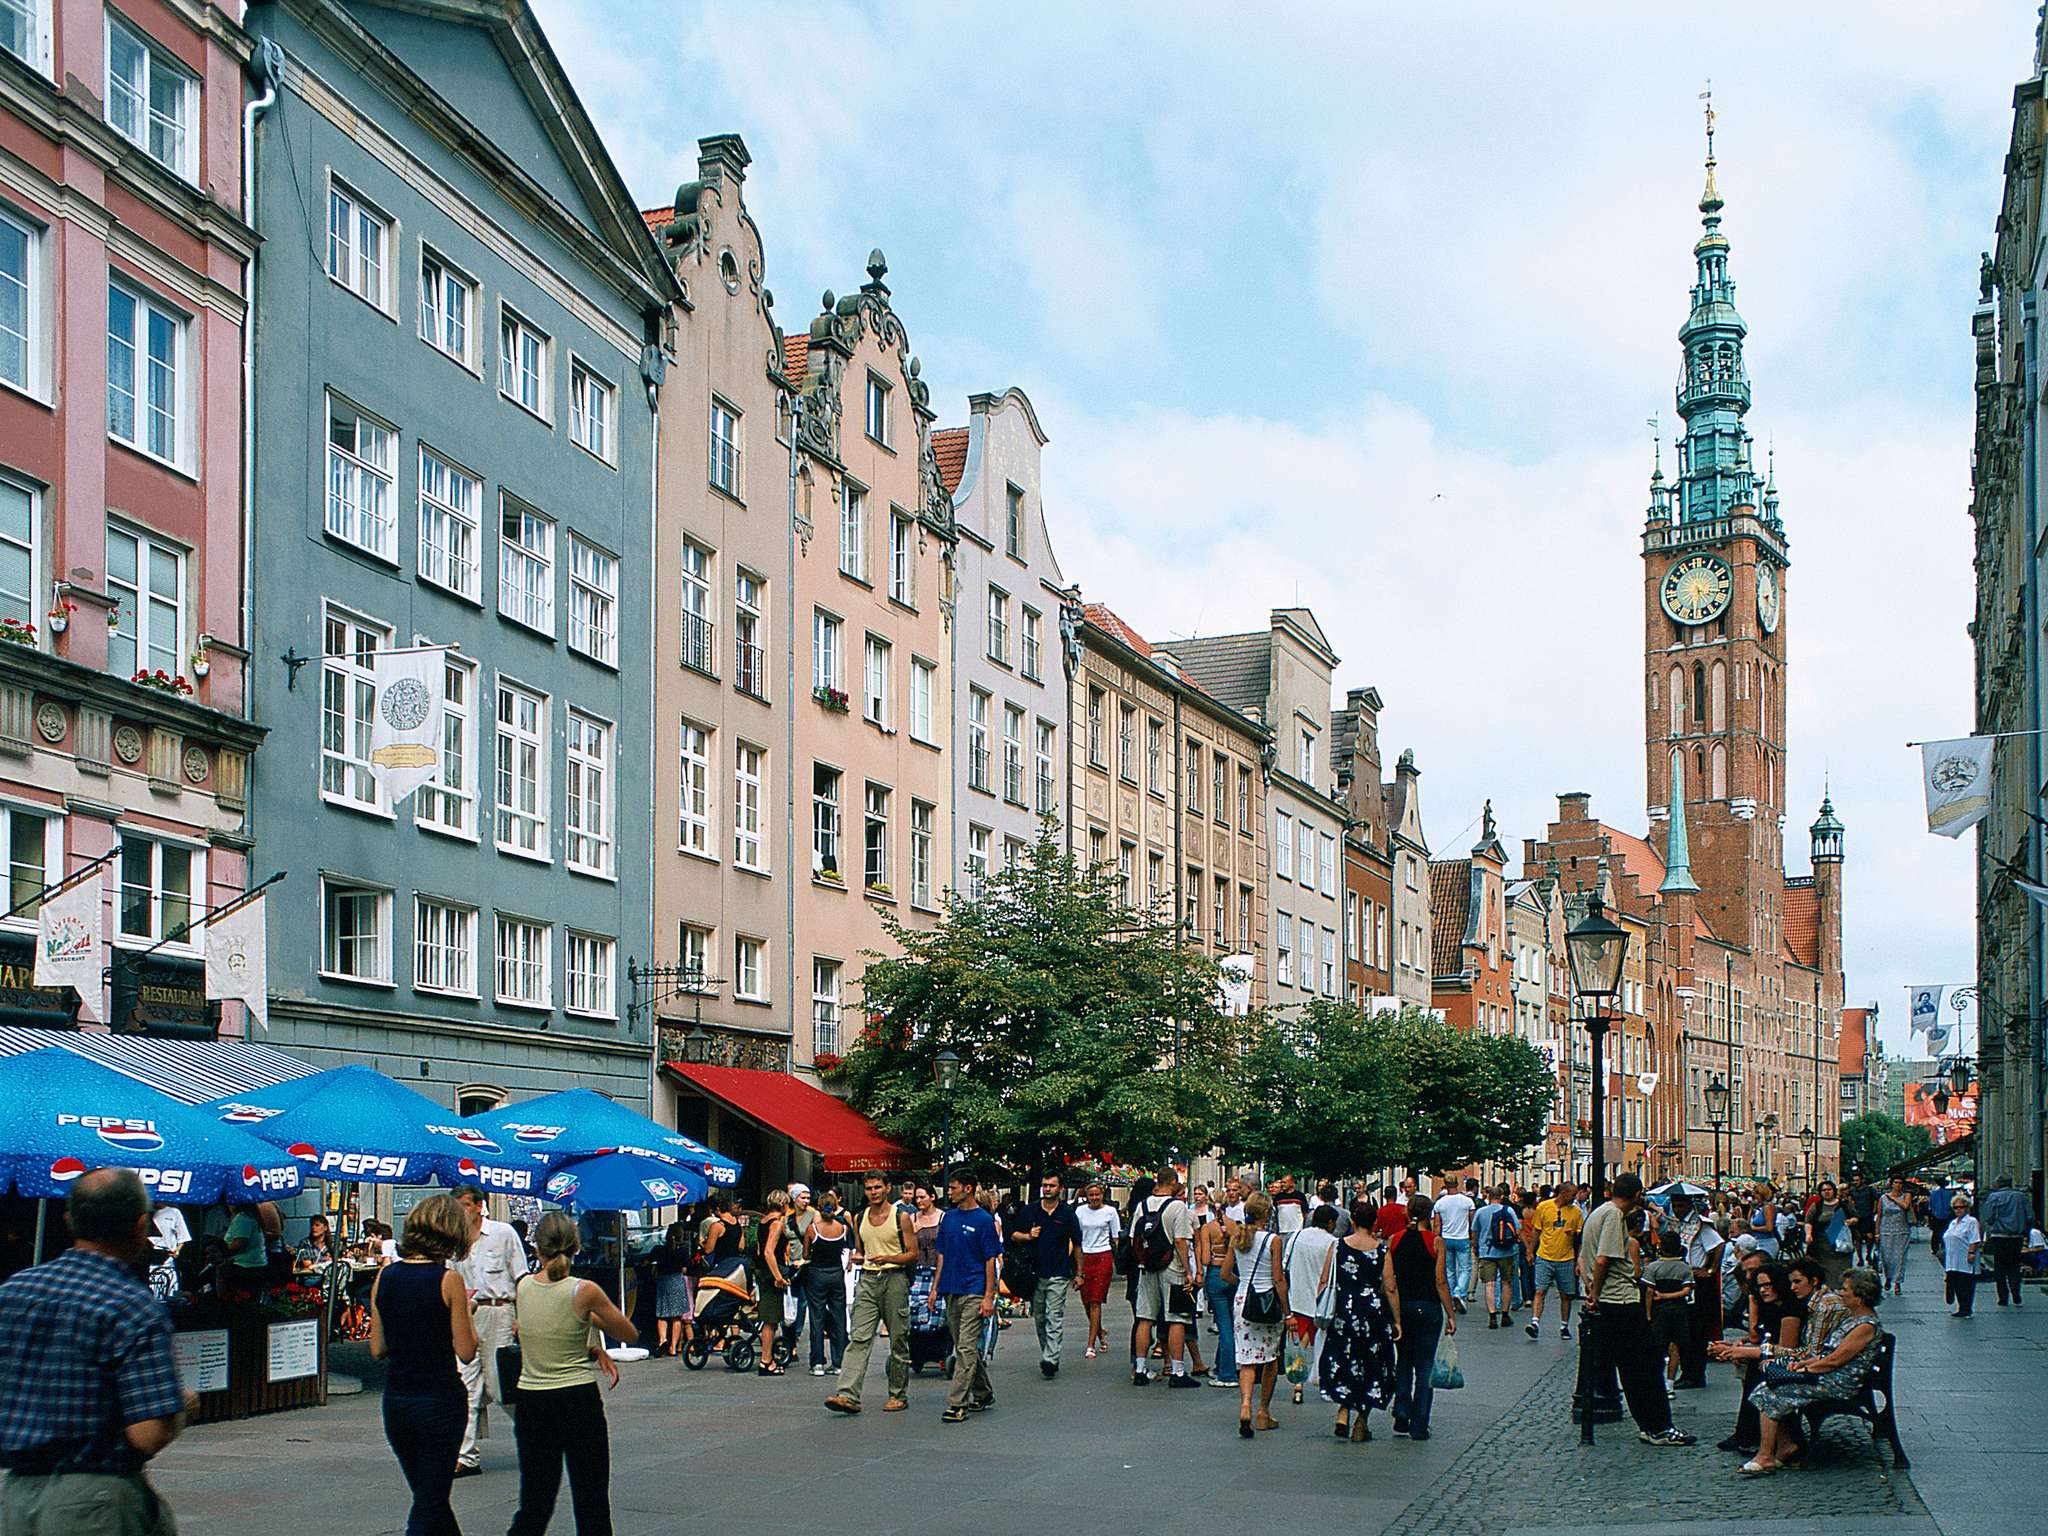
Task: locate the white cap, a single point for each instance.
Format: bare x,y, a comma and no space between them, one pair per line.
798,1189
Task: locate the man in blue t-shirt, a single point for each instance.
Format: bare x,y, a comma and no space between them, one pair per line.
1941,1204
965,1285
1499,1236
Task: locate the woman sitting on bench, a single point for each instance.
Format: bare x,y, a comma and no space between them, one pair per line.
1835,1370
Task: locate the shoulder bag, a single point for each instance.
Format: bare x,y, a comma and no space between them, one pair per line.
1261,1307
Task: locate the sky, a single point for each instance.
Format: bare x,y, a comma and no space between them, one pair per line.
1371,307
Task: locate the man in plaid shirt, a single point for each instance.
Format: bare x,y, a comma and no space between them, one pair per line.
89,1388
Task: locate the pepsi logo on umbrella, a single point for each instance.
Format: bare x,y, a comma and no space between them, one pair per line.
535,1135
562,1186
129,1135
246,1114
304,1151
467,1135
65,1169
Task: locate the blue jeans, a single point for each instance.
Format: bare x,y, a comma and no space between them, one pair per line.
425,1434
1414,1359
1221,1298
1458,1267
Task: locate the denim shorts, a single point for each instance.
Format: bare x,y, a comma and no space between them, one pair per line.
1560,1275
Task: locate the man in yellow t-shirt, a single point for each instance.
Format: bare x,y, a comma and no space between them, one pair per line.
1558,1224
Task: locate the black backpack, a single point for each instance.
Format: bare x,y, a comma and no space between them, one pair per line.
1151,1248
1501,1233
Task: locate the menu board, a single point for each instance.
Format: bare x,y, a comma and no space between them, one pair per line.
202,1359
294,1350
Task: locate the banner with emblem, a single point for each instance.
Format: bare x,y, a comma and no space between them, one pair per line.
1958,775
1923,1009
68,932
237,963
405,723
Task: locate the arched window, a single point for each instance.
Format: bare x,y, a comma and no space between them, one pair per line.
1720,779
1719,697
477,1099
1699,694
1677,700
1763,700
1699,771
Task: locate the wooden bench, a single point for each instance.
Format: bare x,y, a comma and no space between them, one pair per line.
1872,1404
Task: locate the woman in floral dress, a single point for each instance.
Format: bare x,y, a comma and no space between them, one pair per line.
1834,1368
1358,1355
1252,1263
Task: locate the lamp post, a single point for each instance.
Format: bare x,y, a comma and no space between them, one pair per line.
1766,1133
946,1073
1717,1096
1807,1137
1596,948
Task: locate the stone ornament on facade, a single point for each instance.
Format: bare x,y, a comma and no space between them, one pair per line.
50,722
127,743
195,766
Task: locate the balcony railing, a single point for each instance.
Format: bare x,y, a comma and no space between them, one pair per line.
699,635
750,668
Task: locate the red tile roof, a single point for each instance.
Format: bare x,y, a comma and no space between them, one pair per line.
658,219
1104,619
1450,910
1855,1040
950,445
1802,922
796,355
1638,858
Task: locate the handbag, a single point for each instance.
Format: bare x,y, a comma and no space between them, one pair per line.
1261,1307
1778,1374
1444,1375
511,1361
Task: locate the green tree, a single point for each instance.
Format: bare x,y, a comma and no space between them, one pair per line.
1319,1092
1466,1097
1874,1141
1082,1026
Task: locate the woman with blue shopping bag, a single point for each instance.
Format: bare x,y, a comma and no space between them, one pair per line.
1426,1314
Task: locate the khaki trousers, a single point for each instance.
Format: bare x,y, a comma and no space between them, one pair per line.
883,1298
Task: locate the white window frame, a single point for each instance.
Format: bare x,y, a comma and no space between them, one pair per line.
874,837
35,19
749,968
590,988
593,412
518,830
444,946
828,648
1013,754
44,874
1031,657
593,601
825,1006
348,695
879,413
693,789
924,688
699,626
523,950
877,660
978,704
1045,752
138,607
902,560
589,793
1329,943
1013,522
1283,948
977,865
514,332
853,532
138,386
35,303
526,565
348,259
749,807
693,948
1283,846
140,131
1305,856
828,823
160,920
1326,863
362,480
451,532
749,626
728,448
447,803
999,626
923,824
438,278
335,888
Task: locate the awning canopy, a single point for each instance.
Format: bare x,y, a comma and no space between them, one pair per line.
1962,1149
841,1135
190,1071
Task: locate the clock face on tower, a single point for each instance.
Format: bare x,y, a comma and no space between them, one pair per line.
1697,588
1767,599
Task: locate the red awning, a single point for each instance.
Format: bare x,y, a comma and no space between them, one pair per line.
840,1134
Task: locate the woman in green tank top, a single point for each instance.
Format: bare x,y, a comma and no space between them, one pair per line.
561,1415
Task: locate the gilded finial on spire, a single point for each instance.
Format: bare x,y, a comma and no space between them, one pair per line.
1710,200
1656,426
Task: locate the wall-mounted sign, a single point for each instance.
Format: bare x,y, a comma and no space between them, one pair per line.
164,997
202,1359
21,1000
294,1350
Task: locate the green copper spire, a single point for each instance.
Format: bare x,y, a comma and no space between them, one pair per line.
1678,878
1827,832
1715,473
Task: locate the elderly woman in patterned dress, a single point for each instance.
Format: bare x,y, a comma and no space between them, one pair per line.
1358,1353
1834,1368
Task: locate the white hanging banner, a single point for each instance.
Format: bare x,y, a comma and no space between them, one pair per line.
237,964
1923,1009
1646,1083
405,724
1236,972
68,933
1958,777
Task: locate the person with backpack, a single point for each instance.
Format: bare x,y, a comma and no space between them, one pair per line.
1500,1249
1161,1227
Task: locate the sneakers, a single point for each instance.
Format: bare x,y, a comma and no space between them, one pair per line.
839,1402
1532,1330
1218,1381
1179,1383
1564,1330
1048,1369
1667,1437
817,1370
1418,1434
1140,1379
953,1416
896,1405
1492,1321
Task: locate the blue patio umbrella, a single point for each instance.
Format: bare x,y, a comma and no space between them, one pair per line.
62,1115
622,1181
355,1123
580,1122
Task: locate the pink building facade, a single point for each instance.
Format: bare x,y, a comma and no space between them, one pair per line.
123,258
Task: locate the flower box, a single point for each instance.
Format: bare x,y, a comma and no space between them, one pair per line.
17,632
832,698
162,682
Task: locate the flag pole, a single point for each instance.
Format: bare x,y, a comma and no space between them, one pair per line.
49,892
135,957
1979,736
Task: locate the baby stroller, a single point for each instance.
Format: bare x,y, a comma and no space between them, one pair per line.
729,1320
931,1342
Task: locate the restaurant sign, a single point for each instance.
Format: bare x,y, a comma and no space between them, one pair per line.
21,1000
163,997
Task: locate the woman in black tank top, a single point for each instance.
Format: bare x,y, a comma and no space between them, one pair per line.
824,1277
420,1320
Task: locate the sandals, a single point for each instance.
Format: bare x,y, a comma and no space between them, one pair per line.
953,1416
1244,1428
1343,1430
1267,1421
1360,1430
1754,1468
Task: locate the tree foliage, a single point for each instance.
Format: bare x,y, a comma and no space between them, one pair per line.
1469,1097
1874,1141
1082,1026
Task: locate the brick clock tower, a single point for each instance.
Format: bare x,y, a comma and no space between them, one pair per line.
1715,619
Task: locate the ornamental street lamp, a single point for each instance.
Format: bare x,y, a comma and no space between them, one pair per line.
946,1073
1807,1137
1766,1133
1717,1096
1596,948
1959,1077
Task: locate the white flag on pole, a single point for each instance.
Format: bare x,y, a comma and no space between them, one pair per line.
68,932
1236,974
405,726
1958,777
1646,1083
1923,1009
2033,889
237,964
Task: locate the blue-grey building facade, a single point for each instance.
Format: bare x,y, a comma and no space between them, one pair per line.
457,322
